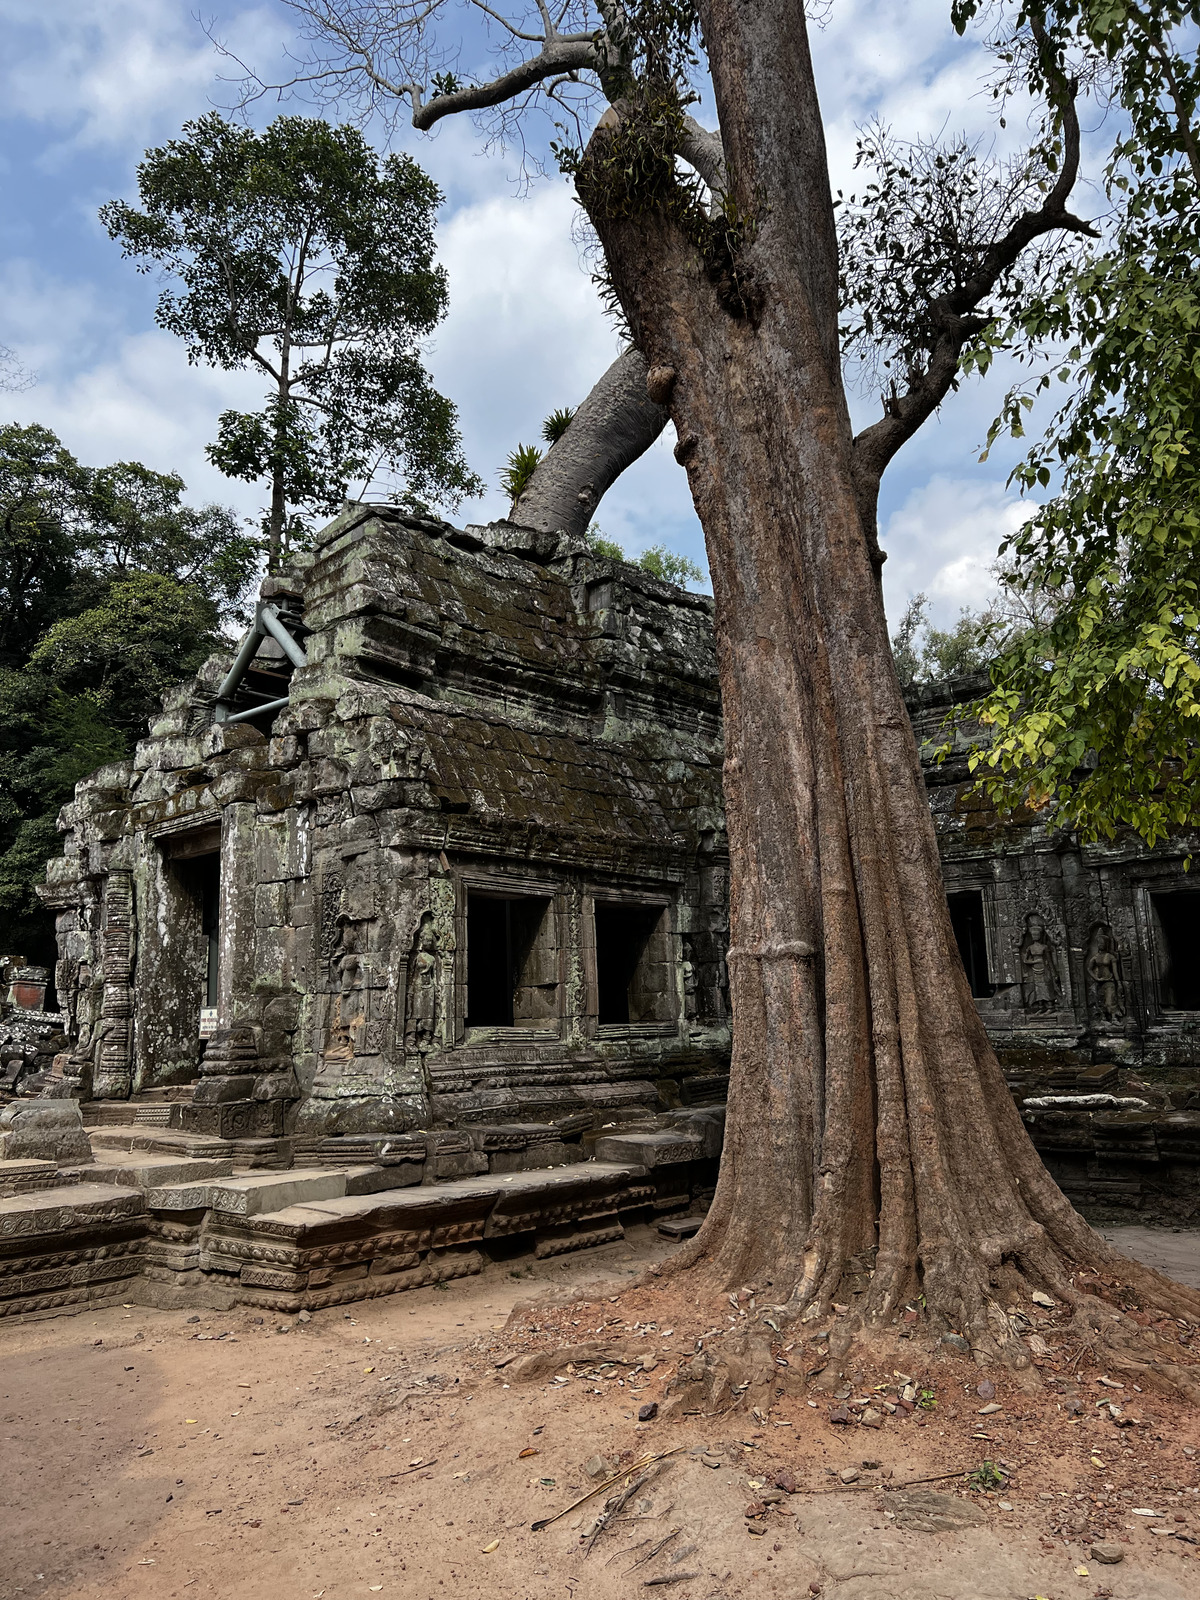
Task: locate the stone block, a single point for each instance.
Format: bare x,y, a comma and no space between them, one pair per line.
59,1211
376,1180
458,1164
236,1119
551,1153
155,1173
28,1171
650,1150
541,1201
271,905
43,1130
216,1091
248,1197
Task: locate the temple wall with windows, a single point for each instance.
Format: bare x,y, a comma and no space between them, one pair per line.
468,868
1091,949
441,846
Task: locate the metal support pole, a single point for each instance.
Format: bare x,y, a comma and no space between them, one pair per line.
268,618
247,650
257,711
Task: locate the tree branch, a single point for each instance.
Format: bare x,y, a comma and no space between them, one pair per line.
1183,121
957,317
704,152
557,55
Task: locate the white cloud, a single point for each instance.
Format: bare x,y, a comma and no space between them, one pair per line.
91,82
116,72
943,539
131,396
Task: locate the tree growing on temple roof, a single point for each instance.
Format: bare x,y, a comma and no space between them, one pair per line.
299,254
874,1157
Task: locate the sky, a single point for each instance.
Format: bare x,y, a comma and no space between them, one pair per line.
87,85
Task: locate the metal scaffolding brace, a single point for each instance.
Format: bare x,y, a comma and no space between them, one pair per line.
266,622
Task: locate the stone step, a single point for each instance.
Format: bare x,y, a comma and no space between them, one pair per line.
147,1171
321,1252
20,1176
164,1141
661,1148
124,1113
287,1240
70,1248
59,1211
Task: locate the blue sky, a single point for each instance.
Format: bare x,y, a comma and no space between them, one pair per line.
86,85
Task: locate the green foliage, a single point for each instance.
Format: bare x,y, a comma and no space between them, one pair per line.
987,1475
297,253
43,494
147,633
1097,717
110,590
670,566
522,464
603,546
557,423
925,654
139,524
657,560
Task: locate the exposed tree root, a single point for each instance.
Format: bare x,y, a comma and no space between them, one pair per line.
1095,1309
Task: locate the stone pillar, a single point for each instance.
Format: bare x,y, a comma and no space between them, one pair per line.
237,1002
112,1054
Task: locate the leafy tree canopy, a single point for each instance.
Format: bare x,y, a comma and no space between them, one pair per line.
111,589
298,253
1098,715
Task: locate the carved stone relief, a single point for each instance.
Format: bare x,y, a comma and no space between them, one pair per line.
1041,985
1102,962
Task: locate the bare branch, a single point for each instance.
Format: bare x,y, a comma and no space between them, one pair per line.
556,58
959,315
531,38
704,152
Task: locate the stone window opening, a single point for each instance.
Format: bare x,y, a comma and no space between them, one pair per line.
634,977
1178,917
512,961
970,933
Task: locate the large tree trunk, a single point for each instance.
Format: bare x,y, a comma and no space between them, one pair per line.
870,1130
617,423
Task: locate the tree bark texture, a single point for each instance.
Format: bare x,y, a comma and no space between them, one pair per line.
617,423
871,1140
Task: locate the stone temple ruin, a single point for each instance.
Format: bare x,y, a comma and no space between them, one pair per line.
401,939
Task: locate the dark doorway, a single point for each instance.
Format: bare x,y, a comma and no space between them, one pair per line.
966,917
1179,921
200,878
209,872
512,961
632,974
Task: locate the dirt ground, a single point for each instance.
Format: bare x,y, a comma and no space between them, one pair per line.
147,1454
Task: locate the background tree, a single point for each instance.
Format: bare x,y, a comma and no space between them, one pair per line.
869,1124
111,589
299,254
1098,715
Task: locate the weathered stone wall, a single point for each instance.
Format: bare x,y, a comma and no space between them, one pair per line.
488,712
492,716
1095,980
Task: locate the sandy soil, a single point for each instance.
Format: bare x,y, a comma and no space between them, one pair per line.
146,1455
